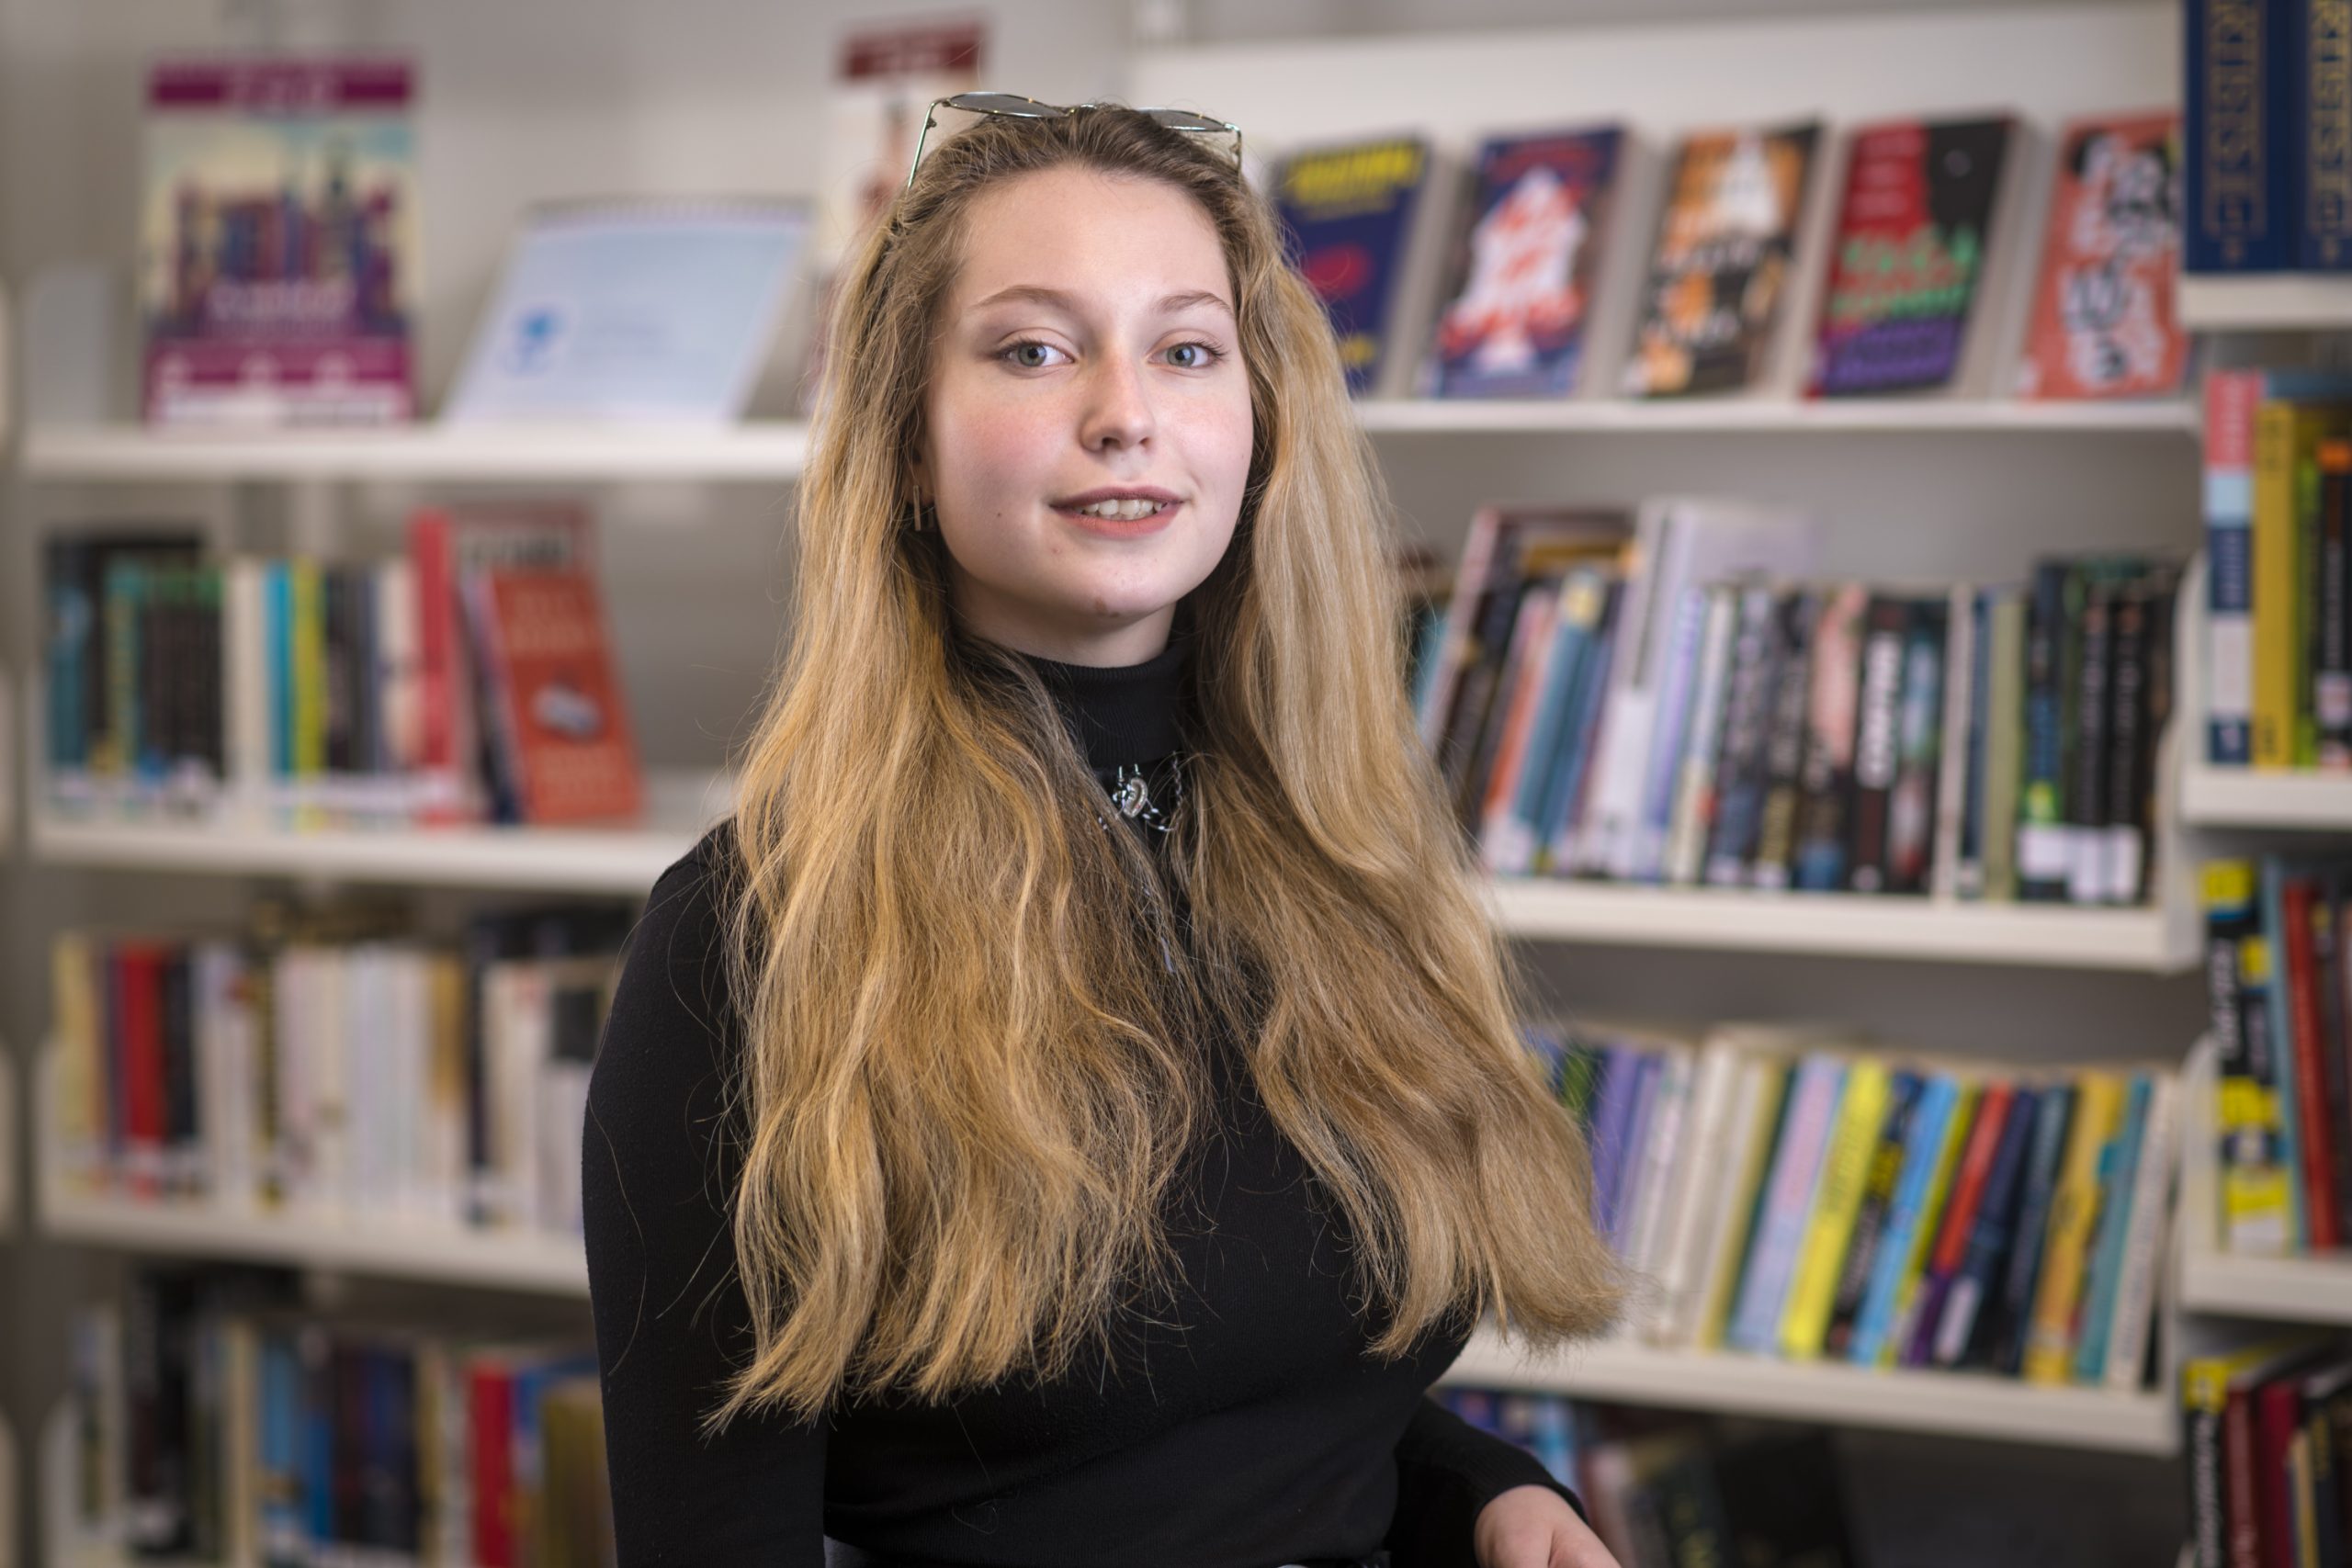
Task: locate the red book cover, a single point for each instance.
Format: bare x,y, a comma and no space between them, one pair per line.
563,724
139,1016
2104,322
2240,1468
2318,1174
1959,1219
2276,1413
438,668
490,1417
1913,235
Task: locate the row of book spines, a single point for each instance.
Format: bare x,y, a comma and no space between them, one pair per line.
1884,1215
228,1437
2278,505
1842,739
208,1069
2267,1431
2279,988
254,669
2268,186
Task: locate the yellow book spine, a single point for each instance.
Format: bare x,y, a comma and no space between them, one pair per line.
1735,1234
2274,584
1931,1219
79,1084
1805,1321
2074,1210
309,642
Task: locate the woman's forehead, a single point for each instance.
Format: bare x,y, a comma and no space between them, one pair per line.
1064,238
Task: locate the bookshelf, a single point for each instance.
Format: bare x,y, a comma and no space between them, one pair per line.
2048,61
9,1510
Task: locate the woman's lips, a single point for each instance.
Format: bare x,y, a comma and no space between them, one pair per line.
1120,528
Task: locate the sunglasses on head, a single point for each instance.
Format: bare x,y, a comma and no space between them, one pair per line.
1019,108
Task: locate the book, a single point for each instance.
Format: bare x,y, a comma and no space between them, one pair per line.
2238,120
1348,214
1719,272
278,242
1513,318
2105,318
1913,235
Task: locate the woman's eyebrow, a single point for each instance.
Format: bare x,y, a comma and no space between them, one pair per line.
1036,294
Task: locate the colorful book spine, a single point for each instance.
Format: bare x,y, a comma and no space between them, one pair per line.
1942,1102
1861,1112
1796,1170
2051,1335
2118,1187
2238,107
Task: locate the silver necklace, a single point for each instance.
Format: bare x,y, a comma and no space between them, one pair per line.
1131,794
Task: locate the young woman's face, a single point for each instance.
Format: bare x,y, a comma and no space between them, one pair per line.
1088,349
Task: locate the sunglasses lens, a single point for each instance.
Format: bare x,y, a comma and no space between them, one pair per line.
999,103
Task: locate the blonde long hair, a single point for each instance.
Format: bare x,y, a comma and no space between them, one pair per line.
969,1077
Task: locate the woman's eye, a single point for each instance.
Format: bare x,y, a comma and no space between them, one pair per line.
1209,353
1014,351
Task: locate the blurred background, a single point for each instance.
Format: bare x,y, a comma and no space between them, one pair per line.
308,893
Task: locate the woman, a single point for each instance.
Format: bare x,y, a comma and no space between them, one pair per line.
1073,1111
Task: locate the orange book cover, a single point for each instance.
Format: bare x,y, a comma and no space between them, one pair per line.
563,725
2103,322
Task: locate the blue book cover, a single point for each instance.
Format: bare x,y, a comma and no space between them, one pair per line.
1922,1142
1347,214
1558,825
2238,136
285,1534
277,602
1613,1108
2319,42
2051,1120
2118,1175
318,1431
1512,326
1625,1182
1988,1236
72,625
1572,640
2282,1014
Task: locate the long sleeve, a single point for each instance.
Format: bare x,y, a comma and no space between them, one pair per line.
670,1320
1447,1470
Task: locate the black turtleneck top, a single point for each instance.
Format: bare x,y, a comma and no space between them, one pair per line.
1252,1432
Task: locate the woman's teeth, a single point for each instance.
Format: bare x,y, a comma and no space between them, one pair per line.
1120,511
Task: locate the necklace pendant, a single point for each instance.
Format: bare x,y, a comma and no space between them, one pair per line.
1135,797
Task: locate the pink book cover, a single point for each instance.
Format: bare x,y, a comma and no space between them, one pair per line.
278,242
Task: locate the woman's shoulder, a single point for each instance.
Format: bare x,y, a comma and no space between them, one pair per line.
673,971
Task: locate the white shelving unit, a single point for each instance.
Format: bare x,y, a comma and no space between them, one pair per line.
2278,302
1960,1404
2243,798
776,450
2314,1288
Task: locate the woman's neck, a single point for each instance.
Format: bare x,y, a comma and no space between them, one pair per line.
1123,714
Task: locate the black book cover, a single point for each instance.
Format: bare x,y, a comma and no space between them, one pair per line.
1793,623
1911,812
183,1140
1877,743
1740,760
